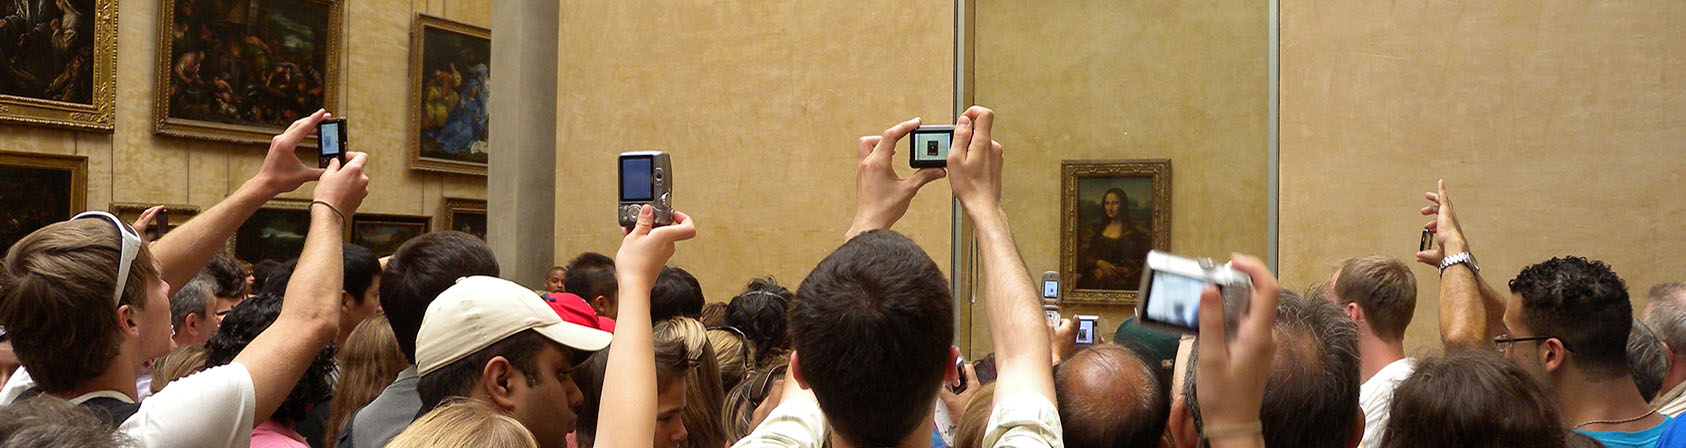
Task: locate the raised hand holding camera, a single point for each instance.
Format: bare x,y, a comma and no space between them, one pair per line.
975,162
646,178
882,197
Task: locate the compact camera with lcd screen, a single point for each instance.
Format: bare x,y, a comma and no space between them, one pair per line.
928,146
1171,288
646,179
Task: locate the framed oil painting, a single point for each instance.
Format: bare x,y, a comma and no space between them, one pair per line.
177,214
467,216
38,190
242,70
382,234
58,62
450,78
274,232
1112,213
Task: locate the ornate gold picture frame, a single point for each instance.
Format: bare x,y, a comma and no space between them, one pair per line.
450,72
466,215
1112,213
240,71
39,190
66,71
274,232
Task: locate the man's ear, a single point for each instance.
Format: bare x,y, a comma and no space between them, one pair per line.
1553,355
1354,312
496,381
1180,428
1357,435
126,321
599,304
192,325
795,371
346,302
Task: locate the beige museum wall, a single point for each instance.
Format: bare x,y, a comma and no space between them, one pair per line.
1076,79
133,165
1557,125
760,105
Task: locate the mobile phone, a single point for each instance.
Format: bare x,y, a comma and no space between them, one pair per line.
158,222
646,178
331,141
928,146
1171,288
1427,241
960,371
1051,297
1086,329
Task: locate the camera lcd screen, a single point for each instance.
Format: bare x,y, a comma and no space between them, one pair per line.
1174,299
635,179
1050,289
931,146
1085,331
330,132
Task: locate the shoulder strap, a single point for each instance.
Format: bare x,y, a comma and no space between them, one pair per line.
111,410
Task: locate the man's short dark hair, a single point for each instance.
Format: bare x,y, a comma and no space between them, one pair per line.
676,293
243,324
1311,392
421,269
261,273
1582,303
1108,397
872,325
760,313
591,275
457,379
229,275
361,268
1473,398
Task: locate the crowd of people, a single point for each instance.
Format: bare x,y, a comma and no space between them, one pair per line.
170,343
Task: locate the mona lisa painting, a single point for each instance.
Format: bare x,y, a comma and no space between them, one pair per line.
1112,213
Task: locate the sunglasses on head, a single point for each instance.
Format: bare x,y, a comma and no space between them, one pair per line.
131,248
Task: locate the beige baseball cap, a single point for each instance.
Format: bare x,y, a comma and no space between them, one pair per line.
479,311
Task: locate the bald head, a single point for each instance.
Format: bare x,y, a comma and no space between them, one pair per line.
1108,397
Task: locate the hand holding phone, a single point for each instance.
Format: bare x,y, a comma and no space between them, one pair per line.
331,142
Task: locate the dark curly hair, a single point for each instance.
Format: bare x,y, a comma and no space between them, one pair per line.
242,325
759,312
1582,303
229,275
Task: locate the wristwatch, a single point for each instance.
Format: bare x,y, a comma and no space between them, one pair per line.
1455,259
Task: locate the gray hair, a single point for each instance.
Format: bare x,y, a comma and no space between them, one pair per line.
192,298
1311,393
1668,315
1646,359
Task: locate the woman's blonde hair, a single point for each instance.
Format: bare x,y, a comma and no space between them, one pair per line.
369,361
465,423
179,362
969,431
704,397
732,354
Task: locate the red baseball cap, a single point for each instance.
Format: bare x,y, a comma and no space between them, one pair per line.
573,309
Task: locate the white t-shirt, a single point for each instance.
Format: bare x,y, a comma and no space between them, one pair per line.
1376,396
1023,420
212,409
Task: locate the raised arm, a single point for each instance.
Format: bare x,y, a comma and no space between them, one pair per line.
1232,368
629,420
185,250
1017,326
310,312
1471,312
882,197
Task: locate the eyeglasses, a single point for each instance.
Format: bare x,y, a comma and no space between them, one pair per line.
131,248
1503,342
759,393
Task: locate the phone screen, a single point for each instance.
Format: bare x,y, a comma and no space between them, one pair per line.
330,131
931,145
1085,331
1175,299
635,179
1050,289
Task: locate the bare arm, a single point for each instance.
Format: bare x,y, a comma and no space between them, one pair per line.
1017,326
310,312
184,251
629,420
1471,312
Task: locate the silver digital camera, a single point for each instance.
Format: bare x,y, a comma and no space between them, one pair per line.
646,178
1171,288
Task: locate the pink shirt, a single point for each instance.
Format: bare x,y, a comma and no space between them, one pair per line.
271,434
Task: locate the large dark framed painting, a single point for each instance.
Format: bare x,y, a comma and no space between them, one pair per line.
242,70
274,232
382,234
450,78
177,214
37,190
58,62
1112,213
466,215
